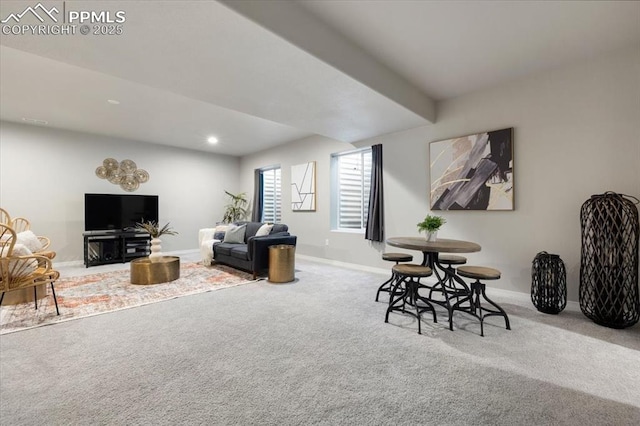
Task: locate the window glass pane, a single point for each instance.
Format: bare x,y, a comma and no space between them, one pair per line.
353,183
366,185
271,202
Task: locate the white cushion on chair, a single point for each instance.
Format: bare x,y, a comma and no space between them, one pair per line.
21,250
29,239
4,251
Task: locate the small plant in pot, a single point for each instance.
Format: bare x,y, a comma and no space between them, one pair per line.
431,224
152,228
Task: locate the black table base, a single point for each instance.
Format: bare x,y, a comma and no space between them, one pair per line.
449,287
475,306
405,293
449,291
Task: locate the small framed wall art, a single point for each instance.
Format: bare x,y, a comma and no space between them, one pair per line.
303,187
473,172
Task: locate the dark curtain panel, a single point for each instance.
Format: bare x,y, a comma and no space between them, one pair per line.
256,215
375,219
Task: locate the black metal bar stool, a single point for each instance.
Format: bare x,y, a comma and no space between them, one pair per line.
478,289
449,260
450,287
392,257
409,275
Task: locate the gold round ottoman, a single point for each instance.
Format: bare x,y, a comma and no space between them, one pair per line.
161,270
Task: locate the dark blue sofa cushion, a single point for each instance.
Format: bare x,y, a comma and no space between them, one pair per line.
240,252
225,248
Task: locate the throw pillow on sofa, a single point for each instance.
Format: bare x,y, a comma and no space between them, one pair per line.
219,232
235,234
264,230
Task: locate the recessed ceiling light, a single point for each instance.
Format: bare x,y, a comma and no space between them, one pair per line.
34,121
113,101
212,140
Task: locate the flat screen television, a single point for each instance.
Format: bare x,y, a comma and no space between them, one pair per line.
111,212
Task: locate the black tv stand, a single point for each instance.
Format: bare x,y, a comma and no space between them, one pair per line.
106,247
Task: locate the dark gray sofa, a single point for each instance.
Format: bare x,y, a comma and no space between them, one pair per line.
253,254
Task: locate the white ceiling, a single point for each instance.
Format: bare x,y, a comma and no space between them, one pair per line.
449,48
349,70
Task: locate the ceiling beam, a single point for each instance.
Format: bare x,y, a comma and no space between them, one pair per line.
302,29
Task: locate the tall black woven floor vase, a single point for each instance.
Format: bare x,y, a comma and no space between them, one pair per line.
609,264
548,283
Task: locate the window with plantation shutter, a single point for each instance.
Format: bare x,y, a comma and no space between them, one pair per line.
271,196
351,174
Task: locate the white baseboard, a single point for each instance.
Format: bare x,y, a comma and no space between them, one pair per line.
69,263
74,263
571,305
183,252
520,296
345,264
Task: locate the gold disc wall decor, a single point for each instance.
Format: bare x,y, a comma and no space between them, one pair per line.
125,174
128,166
115,176
129,183
110,164
102,172
141,175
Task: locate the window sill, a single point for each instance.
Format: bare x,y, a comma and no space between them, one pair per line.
349,231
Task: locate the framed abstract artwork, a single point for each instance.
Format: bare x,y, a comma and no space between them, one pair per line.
303,187
473,172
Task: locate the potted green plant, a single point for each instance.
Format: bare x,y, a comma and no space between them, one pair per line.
431,224
237,208
152,228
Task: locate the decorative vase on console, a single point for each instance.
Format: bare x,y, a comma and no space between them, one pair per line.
156,249
431,224
152,228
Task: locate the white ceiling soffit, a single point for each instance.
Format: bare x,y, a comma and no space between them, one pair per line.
75,98
295,24
201,58
449,48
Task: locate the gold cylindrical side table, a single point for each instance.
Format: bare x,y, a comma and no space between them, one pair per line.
282,262
162,270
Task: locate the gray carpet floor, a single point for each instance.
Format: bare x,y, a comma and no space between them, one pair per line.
317,351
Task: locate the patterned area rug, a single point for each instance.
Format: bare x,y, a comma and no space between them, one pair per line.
88,295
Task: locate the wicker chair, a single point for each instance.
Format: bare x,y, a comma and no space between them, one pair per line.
46,242
7,239
20,272
4,217
24,224
20,224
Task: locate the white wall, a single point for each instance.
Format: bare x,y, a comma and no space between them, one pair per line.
576,133
311,228
44,174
